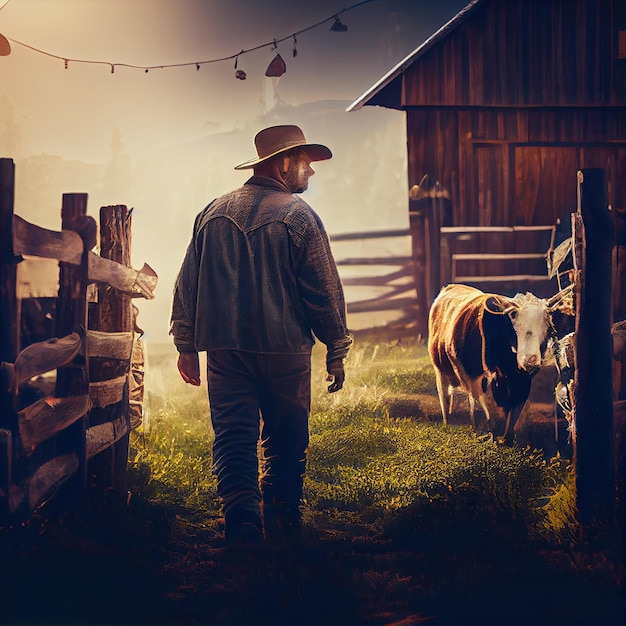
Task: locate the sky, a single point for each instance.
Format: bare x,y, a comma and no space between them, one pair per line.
178,131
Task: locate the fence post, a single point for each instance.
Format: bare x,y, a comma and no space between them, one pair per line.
593,402
417,221
115,315
73,379
8,328
8,302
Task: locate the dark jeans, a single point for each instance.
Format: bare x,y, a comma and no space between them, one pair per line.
252,395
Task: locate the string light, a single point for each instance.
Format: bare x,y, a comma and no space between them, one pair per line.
278,61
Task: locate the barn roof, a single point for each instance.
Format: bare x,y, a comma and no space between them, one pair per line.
387,90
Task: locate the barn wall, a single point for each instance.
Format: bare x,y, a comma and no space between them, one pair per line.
505,167
521,52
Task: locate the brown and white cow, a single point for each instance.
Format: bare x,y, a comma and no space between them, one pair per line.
478,340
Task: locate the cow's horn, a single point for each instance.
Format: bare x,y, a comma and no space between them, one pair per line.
503,311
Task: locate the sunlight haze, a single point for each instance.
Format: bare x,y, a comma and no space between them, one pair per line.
165,141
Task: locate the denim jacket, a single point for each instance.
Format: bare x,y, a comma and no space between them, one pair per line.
259,276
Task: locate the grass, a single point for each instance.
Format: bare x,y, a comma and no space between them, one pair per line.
406,519
359,459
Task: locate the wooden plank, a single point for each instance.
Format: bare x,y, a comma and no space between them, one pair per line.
6,472
377,304
378,234
42,357
48,416
66,245
497,256
107,392
500,279
114,345
47,478
379,281
398,260
103,436
137,283
455,230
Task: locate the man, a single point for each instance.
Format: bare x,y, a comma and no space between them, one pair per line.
258,282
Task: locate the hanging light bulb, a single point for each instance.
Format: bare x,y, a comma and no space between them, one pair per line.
5,46
338,26
277,66
295,50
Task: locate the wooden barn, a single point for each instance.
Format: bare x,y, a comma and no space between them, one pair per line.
504,104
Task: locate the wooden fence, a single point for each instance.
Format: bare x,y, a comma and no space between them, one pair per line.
396,282
71,378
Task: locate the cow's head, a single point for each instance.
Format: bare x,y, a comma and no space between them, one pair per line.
532,323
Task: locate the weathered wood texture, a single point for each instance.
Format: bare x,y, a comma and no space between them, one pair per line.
8,328
102,436
41,357
67,246
75,418
501,173
593,395
136,388
49,416
114,314
72,305
109,345
8,304
73,379
499,259
548,53
105,393
44,482
6,471
394,290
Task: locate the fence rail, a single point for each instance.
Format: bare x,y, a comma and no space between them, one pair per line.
70,397
399,294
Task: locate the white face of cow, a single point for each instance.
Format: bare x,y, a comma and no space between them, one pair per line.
531,321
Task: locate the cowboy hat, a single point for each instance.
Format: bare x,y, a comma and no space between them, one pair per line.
276,139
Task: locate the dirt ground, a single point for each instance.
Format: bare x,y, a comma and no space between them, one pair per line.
140,565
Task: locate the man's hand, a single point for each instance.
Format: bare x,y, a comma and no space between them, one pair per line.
189,367
336,374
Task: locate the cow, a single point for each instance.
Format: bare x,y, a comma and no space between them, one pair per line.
479,340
